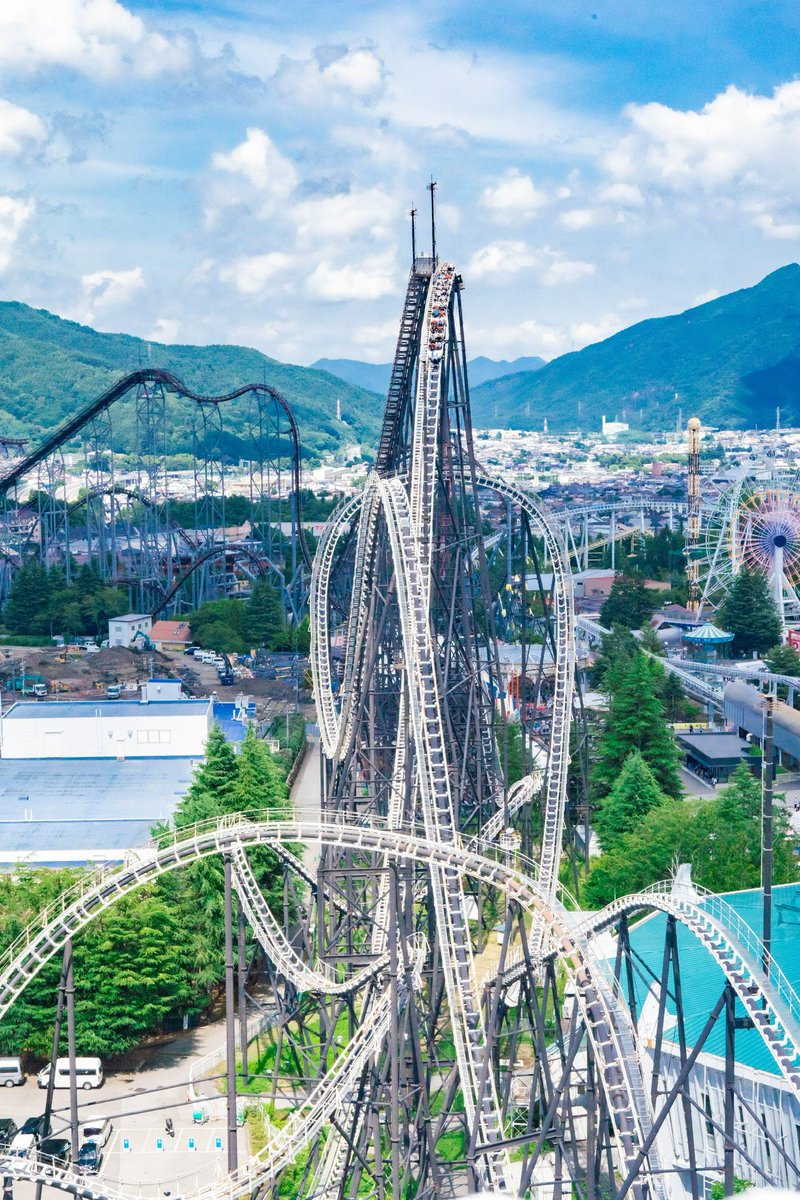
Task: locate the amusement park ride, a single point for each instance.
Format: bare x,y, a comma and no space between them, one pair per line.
121,520
528,1071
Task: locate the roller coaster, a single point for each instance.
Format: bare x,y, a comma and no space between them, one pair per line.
122,519
529,1070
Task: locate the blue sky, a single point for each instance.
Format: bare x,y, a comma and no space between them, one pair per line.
241,172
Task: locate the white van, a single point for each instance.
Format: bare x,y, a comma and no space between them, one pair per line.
23,1146
88,1073
97,1130
11,1072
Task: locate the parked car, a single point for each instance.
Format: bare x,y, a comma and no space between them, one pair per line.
11,1072
97,1130
33,1126
24,1145
58,1150
88,1072
90,1158
8,1128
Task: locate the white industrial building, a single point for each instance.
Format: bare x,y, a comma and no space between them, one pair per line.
125,630
156,726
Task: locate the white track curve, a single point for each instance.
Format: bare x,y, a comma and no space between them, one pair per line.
604,1016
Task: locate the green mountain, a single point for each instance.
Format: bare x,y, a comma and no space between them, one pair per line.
50,367
375,376
730,362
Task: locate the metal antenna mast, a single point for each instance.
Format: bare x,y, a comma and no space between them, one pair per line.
432,189
413,215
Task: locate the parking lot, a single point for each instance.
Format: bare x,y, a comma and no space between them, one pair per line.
139,1152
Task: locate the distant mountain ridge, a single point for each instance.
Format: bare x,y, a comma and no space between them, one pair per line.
50,367
376,376
730,362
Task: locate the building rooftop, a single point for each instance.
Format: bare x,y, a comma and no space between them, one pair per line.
171,631
715,747
703,979
75,810
54,710
133,617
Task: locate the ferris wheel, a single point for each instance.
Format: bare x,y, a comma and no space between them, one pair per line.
755,523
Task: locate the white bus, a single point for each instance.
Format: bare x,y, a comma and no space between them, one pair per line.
88,1073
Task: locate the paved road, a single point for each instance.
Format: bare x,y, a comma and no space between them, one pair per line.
306,797
175,1167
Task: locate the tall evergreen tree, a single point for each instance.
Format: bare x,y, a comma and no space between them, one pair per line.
629,603
259,783
29,599
636,722
749,612
633,795
266,625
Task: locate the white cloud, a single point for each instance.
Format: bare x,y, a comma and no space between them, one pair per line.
501,259
381,337
566,270
369,211
515,196
770,227
627,194
576,219
547,340
99,37
111,289
331,75
359,71
741,148
261,163
583,333
255,175
14,215
250,275
19,129
165,330
372,278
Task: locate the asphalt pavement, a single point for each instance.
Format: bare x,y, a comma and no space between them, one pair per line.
139,1151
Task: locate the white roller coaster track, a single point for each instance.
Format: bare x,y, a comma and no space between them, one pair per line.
558,755
469,1037
602,1011
318,978
696,687
320,629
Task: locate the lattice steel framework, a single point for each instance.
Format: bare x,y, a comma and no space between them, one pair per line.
123,520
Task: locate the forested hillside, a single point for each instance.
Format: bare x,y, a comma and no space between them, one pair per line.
50,367
730,362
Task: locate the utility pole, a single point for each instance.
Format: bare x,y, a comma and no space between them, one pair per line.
432,189
230,1024
766,830
73,1077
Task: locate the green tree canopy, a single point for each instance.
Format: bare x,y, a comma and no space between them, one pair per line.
630,603
633,795
636,722
749,612
721,838
783,660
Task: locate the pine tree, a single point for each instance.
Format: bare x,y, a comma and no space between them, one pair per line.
265,619
636,722
634,794
783,660
213,786
749,612
629,603
26,610
260,783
